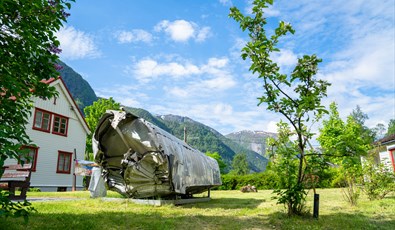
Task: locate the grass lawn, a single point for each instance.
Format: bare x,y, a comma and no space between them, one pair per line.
226,210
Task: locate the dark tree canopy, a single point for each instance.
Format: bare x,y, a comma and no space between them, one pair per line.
28,53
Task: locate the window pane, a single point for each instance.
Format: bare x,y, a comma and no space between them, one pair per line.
67,164
61,162
32,153
64,163
46,121
38,120
60,125
56,125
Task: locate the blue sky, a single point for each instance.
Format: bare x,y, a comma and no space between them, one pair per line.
183,57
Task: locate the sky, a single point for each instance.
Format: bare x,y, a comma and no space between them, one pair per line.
183,57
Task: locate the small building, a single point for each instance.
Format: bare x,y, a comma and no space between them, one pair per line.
58,130
385,151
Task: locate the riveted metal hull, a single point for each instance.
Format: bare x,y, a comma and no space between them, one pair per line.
140,160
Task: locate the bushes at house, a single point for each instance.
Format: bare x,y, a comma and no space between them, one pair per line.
263,180
269,180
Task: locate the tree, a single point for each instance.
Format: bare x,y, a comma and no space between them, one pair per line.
378,131
391,127
360,117
240,164
345,143
28,53
297,97
218,158
93,114
285,165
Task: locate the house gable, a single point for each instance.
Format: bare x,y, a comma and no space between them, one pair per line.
73,105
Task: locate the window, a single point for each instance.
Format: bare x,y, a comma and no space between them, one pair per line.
31,156
60,125
392,156
64,162
42,120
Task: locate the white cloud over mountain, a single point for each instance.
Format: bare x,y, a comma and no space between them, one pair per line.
76,44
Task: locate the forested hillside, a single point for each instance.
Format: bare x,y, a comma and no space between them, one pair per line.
79,88
203,138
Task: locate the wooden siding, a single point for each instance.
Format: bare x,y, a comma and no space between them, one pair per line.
49,144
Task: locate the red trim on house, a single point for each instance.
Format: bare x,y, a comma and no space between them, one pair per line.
392,152
34,163
60,123
49,81
75,104
66,159
49,123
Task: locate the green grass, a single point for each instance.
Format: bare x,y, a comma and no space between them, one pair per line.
226,210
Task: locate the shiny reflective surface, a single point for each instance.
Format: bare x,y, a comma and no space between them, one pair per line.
140,160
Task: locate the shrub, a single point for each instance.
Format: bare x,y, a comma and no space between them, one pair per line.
379,180
32,189
263,180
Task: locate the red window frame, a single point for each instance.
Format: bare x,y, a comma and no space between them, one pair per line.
35,155
64,158
392,156
57,125
40,128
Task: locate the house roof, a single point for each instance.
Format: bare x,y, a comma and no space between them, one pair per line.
53,81
386,140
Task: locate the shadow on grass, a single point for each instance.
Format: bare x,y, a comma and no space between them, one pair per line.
155,220
331,221
227,203
130,220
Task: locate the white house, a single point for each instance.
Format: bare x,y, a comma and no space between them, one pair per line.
58,129
386,151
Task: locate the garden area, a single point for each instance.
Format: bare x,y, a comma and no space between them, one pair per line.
226,210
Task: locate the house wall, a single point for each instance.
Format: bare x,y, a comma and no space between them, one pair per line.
387,158
45,177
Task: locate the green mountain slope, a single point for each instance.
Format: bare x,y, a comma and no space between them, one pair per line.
79,88
203,138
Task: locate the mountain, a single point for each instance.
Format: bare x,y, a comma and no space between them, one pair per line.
253,140
203,138
199,136
79,88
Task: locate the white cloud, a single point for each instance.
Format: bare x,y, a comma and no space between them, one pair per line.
127,95
133,36
182,31
149,69
177,91
76,44
203,34
226,2
272,127
285,59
